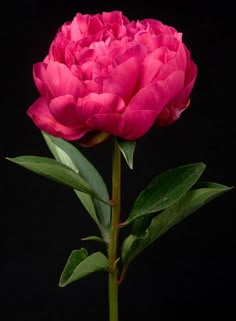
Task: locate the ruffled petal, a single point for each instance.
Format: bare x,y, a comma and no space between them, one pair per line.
112,17
79,26
136,51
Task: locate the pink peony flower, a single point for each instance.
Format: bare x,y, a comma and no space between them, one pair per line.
105,75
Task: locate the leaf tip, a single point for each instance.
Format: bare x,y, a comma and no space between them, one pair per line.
202,165
131,165
61,285
11,159
229,188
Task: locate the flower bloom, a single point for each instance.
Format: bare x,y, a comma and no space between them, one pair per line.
105,75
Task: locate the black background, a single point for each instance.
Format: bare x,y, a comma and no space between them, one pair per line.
189,272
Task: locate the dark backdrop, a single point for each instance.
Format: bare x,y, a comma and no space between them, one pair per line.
189,272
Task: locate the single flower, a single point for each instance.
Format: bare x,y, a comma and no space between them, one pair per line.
105,75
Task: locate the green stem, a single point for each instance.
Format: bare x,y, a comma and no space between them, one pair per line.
112,250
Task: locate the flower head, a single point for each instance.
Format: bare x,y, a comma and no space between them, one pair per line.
105,75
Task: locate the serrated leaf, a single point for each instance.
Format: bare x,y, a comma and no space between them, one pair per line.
189,203
165,190
79,265
67,154
56,171
127,149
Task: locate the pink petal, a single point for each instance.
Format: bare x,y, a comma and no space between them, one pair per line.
123,79
177,104
39,75
137,51
112,17
61,81
142,111
152,97
83,21
156,95
181,101
87,69
191,73
95,24
109,123
138,123
179,62
44,120
63,110
130,126
168,41
79,27
93,86
158,27
151,68
181,57
94,104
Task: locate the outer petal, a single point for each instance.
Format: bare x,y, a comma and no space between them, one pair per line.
151,68
179,62
39,75
156,95
138,123
63,109
44,120
111,123
61,81
179,103
94,104
130,126
123,79
182,100
191,72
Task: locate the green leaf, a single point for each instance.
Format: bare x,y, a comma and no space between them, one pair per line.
79,265
127,148
63,151
93,238
88,202
165,190
141,224
189,203
67,154
56,171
